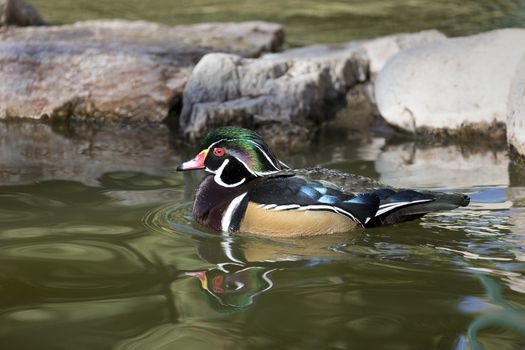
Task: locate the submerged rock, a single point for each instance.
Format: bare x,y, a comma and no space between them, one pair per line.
133,71
290,93
516,111
454,86
19,13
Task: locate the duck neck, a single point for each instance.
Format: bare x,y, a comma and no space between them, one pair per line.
212,200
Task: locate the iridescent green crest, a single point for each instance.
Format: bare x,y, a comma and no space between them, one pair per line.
245,145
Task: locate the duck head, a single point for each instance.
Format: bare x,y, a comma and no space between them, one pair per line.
235,156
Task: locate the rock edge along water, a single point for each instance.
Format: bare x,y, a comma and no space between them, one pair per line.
113,69
77,71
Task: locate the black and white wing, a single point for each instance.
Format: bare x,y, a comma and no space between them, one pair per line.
294,193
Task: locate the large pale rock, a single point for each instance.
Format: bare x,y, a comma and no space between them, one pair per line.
19,13
451,84
379,51
516,110
296,90
373,53
113,69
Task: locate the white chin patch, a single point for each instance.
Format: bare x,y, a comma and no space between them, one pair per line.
218,175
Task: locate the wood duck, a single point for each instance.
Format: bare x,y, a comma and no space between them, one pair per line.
250,190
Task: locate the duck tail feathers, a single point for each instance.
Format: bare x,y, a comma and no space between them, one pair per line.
405,205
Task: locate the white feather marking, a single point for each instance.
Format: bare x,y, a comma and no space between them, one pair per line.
331,208
265,154
286,207
391,206
213,144
218,175
284,164
228,214
264,173
256,173
253,172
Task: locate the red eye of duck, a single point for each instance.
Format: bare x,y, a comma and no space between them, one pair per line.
219,152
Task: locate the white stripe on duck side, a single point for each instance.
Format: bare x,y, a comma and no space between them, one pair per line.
385,208
267,206
275,207
228,214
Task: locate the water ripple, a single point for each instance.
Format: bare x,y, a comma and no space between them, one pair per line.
7,215
172,219
39,231
474,256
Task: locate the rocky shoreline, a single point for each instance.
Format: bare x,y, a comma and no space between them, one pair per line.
198,77
113,69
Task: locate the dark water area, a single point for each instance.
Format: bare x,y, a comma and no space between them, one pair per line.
98,251
306,21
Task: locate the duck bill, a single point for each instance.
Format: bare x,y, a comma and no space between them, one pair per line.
201,275
194,164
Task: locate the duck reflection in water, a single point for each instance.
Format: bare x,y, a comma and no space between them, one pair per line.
240,275
235,285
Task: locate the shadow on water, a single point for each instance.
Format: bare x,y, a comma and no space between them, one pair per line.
111,258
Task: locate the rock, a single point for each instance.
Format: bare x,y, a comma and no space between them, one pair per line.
106,83
132,71
516,111
19,13
379,50
291,92
452,84
247,39
354,119
227,89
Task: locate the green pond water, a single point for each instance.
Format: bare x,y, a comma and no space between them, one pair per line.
98,251
306,21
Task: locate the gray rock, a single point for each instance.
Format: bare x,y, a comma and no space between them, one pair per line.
289,93
451,85
19,13
516,110
132,71
247,39
227,89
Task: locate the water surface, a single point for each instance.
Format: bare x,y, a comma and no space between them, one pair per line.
98,251
306,21
102,254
